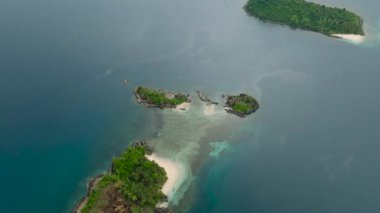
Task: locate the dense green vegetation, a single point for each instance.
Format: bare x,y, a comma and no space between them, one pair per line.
159,98
96,193
307,15
133,186
242,107
242,104
140,179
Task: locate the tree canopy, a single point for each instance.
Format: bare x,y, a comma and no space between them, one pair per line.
133,186
140,179
307,15
157,97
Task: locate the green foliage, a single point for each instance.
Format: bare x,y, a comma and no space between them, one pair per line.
242,107
138,179
96,193
307,15
158,97
242,103
142,179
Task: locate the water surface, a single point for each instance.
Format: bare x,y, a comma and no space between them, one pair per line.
311,147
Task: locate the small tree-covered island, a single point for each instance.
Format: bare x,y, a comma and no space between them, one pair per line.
241,105
306,15
133,185
160,98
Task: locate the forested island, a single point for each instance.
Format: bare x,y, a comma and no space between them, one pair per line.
241,105
133,185
307,15
159,98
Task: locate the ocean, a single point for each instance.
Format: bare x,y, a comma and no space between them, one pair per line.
311,147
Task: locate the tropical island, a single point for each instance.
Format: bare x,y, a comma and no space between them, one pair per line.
161,98
133,184
306,15
241,105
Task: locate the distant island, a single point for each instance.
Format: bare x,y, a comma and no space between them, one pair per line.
133,185
161,98
241,105
306,15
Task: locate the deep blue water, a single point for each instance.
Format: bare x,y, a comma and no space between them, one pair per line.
312,147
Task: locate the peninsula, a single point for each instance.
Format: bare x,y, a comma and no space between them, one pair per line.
241,105
306,15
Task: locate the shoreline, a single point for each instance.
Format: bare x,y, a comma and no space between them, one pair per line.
183,107
354,38
175,175
90,185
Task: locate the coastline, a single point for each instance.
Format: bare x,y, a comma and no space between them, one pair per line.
183,107
175,175
90,185
350,37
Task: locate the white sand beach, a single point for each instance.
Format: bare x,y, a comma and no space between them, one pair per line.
350,37
174,173
209,109
183,107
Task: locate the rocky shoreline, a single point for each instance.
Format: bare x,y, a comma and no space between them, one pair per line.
204,98
90,186
142,143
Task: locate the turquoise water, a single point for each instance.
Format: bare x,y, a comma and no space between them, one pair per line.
312,146
218,148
